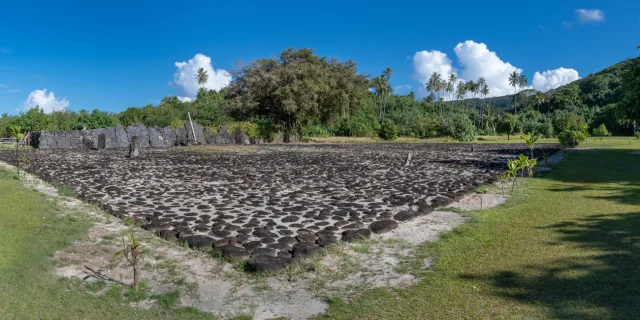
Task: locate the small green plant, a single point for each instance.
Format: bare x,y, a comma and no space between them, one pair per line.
65,191
512,171
502,178
135,295
531,138
523,163
531,164
95,286
168,300
601,131
132,252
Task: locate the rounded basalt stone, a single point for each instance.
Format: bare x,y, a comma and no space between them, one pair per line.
307,237
264,234
383,226
252,245
268,240
198,241
355,225
263,252
285,232
169,235
288,219
304,249
351,235
425,209
219,233
406,215
234,252
288,240
279,246
245,230
231,228
156,227
266,263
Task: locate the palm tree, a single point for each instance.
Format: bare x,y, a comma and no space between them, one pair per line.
538,99
451,87
523,82
514,82
202,77
435,84
485,92
461,91
443,88
481,84
382,89
387,75
491,115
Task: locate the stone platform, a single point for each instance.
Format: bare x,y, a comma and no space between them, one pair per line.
278,203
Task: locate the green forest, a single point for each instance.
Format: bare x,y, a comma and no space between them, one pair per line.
300,94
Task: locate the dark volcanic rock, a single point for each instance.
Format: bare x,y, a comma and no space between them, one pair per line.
234,252
265,263
121,137
156,138
197,129
407,215
383,226
351,235
304,249
181,137
134,151
199,241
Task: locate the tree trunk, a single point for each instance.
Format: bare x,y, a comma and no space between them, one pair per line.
135,276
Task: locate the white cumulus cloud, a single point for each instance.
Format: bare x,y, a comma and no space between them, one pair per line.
47,102
478,61
552,79
475,60
590,15
426,63
185,77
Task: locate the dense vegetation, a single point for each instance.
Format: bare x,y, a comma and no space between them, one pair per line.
302,94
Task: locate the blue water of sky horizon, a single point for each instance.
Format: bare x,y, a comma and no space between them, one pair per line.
114,55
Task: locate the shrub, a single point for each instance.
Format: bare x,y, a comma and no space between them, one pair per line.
573,135
458,126
315,130
389,131
175,124
600,131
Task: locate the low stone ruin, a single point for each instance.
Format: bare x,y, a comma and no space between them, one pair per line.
119,137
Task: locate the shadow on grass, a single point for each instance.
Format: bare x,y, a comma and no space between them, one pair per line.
596,286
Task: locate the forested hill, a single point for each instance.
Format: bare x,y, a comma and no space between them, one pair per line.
595,90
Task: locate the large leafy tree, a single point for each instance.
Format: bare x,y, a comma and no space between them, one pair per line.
297,87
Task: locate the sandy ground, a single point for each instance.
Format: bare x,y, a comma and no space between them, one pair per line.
221,287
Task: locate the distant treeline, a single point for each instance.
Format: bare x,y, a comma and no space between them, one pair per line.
302,94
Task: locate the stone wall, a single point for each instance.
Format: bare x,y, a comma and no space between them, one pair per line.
119,137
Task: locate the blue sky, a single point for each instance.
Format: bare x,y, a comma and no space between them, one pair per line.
112,55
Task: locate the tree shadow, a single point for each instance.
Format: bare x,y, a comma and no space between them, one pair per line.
596,286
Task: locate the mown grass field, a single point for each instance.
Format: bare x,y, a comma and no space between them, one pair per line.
567,246
590,142
32,229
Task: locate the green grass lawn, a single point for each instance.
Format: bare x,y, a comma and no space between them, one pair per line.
32,229
567,246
